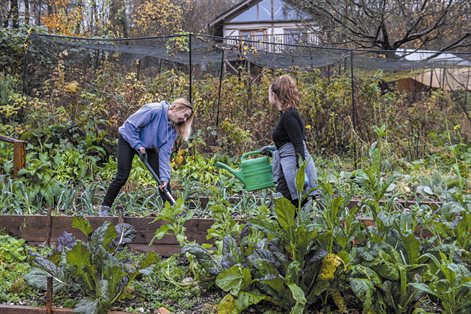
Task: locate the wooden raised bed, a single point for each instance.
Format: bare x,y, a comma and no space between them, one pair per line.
19,309
37,229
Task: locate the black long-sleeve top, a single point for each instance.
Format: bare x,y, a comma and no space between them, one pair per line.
290,128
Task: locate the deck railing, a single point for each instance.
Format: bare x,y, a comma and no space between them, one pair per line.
272,43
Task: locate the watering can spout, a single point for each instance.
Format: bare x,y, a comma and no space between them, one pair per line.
237,173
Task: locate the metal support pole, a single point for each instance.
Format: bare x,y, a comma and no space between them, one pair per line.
354,122
190,68
138,70
221,76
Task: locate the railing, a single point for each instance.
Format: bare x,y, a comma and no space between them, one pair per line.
272,43
19,153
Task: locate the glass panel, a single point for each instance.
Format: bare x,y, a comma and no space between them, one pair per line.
278,9
264,10
247,16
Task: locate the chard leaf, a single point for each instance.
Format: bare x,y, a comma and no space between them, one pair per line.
329,266
231,252
103,235
363,289
38,278
387,271
227,305
299,297
423,287
104,290
109,236
300,176
320,287
126,234
285,212
234,279
79,256
82,224
412,246
274,282
292,273
87,306
246,299
148,263
115,274
161,232
204,258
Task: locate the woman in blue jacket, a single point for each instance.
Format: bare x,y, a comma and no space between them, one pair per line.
152,130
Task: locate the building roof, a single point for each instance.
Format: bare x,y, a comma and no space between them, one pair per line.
216,26
232,11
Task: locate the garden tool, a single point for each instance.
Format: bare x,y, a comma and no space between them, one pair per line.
143,158
254,173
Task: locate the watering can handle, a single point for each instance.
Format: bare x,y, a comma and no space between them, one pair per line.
254,152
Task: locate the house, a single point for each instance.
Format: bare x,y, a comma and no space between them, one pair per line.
263,21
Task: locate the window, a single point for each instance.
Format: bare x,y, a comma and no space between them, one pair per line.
259,12
268,10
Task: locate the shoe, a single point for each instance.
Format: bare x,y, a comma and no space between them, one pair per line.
103,211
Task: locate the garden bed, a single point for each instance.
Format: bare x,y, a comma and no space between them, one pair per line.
37,229
19,309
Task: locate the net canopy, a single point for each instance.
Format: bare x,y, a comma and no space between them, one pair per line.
202,50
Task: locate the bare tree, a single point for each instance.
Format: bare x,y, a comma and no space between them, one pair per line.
391,24
198,13
13,15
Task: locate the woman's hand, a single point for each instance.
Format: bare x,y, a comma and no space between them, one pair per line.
142,150
163,185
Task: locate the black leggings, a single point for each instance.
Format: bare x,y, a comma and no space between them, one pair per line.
282,187
125,156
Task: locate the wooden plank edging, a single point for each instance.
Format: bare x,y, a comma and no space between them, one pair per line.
21,309
35,229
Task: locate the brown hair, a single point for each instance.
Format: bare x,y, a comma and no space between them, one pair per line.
184,128
285,88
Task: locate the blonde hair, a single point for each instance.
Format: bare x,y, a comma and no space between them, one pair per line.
285,88
183,128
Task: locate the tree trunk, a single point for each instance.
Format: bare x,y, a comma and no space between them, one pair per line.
15,14
39,9
26,12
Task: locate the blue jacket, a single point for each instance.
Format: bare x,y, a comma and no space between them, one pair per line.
149,127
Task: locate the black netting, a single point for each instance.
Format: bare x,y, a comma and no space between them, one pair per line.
200,49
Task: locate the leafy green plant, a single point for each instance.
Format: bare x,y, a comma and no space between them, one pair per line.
13,267
174,217
96,268
371,179
450,283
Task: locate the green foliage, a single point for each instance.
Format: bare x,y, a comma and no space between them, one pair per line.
174,218
13,267
96,268
450,283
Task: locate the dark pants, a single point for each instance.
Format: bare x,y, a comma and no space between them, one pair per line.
125,156
282,187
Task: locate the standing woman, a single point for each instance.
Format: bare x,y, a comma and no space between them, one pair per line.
151,130
289,137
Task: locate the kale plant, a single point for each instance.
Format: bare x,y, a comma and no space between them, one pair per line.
92,268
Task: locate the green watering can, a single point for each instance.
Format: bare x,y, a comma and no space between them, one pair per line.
254,173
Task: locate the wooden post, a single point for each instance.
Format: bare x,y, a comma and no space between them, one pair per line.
19,153
49,295
19,157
